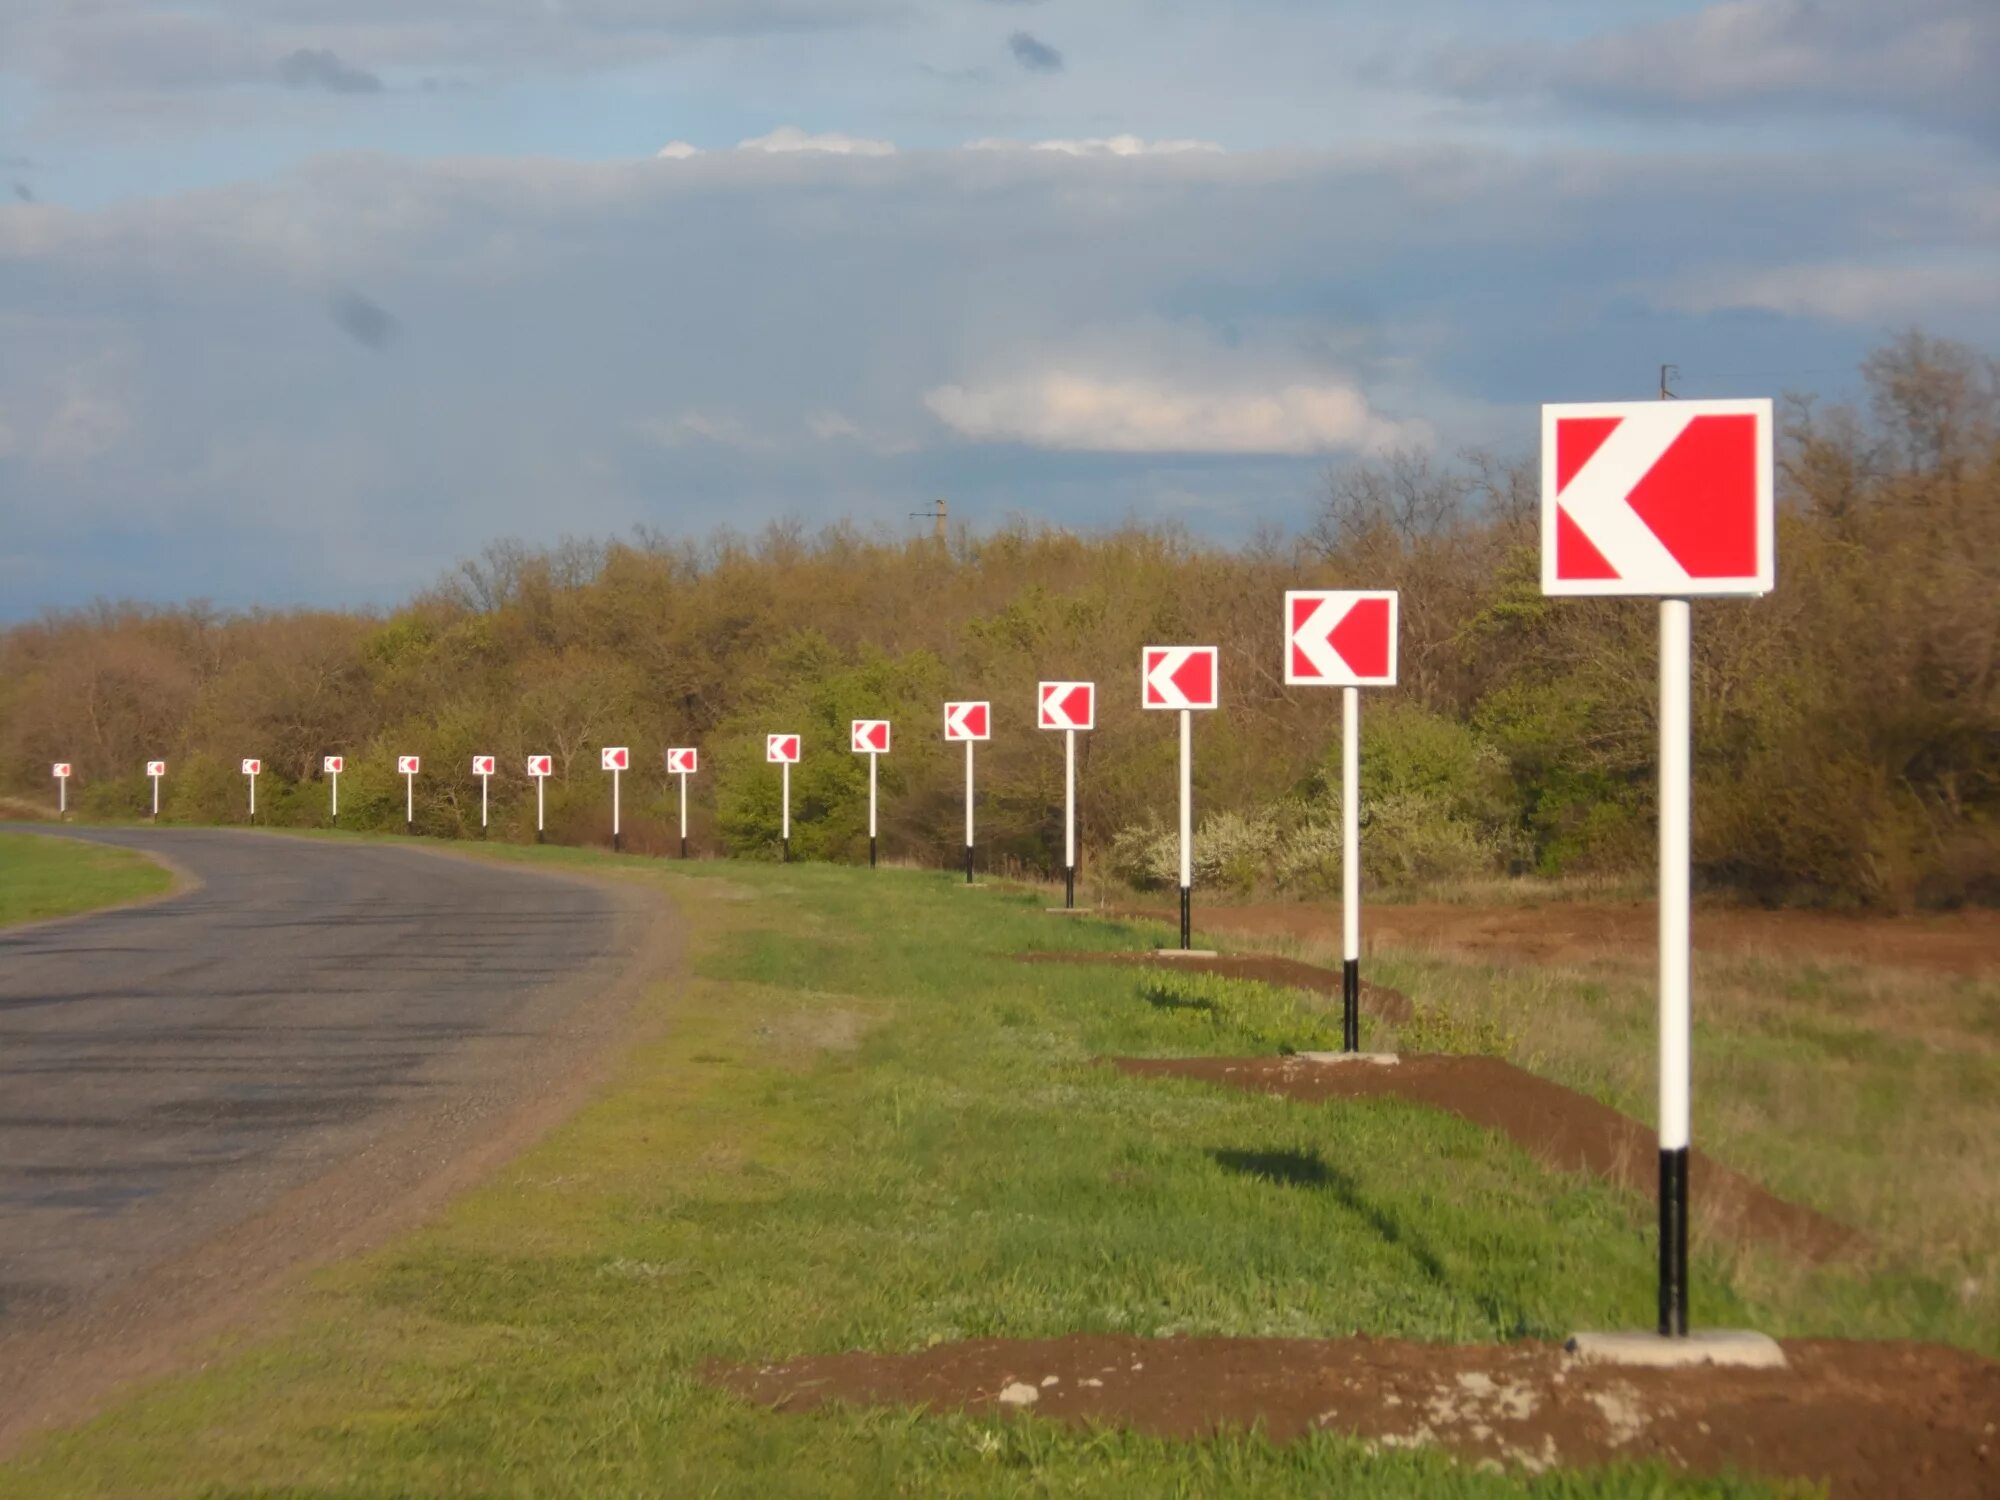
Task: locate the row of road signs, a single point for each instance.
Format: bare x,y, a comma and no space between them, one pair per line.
1670,500
682,762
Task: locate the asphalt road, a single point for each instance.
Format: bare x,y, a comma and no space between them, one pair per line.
169,1071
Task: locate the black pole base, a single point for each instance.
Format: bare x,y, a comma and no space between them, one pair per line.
786,856
538,836
1350,1005
684,848
1187,917
968,864
871,851
1674,1244
409,830
617,843
1069,888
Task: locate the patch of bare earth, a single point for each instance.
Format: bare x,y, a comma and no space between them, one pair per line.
1877,1420
1558,1126
1569,932
1376,1000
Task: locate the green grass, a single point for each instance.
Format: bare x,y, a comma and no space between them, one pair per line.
859,1123
48,877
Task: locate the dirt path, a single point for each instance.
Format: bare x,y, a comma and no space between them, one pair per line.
449,1118
1875,1421
1555,1125
1570,932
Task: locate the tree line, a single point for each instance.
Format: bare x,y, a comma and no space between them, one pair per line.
1847,727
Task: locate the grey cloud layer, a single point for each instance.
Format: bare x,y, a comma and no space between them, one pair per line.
741,334
144,45
1934,61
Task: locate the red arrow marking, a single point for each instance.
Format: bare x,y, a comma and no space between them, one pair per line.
1575,556
1076,707
1577,439
1196,677
1362,637
1302,609
975,719
878,736
1700,498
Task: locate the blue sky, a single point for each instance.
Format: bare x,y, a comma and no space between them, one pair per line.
301,300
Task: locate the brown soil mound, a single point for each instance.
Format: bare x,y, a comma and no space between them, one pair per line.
1573,932
1376,1000
1874,1420
1556,1125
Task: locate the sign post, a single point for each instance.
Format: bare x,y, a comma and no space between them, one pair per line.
61,771
332,766
407,767
540,768
1068,706
871,738
782,750
1347,640
1182,679
683,764
155,769
1669,500
251,769
970,722
482,767
615,759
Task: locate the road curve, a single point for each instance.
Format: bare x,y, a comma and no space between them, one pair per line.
170,1071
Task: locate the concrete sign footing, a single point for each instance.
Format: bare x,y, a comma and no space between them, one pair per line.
1380,1059
1738,1348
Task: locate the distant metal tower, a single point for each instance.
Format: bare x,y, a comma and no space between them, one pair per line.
937,516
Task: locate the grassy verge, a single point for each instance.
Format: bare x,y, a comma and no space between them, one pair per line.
45,877
863,1125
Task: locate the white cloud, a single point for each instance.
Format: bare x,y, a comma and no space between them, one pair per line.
1071,409
1848,291
721,428
677,151
791,138
1110,145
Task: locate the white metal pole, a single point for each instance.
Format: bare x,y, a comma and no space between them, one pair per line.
1187,826
483,781
684,811
1676,670
156,799
62,794
409,799
334,778
1069,817
253,796
871,808
614,807
785,781
1350,866
541,783
968,812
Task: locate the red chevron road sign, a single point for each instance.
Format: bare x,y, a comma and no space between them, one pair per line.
1179,677
682,762
781,749
871,736
1066,705
968,721
1340,638
1660,498
541,765
482,765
